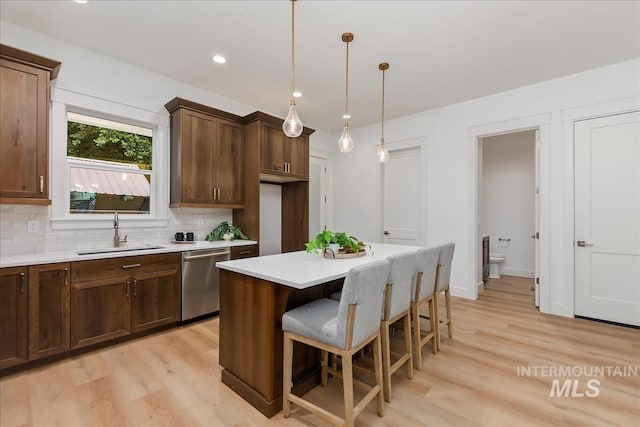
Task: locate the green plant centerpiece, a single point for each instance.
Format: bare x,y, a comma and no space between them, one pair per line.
327,238
226,231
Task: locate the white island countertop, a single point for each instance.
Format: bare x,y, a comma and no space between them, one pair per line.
301,270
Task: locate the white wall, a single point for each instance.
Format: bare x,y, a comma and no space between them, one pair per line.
89,73
450,211
508,199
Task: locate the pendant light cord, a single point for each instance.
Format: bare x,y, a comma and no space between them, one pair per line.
346,89
382,134
293,52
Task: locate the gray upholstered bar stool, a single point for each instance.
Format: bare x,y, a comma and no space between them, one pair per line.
424,291
396,306
444,277
341,328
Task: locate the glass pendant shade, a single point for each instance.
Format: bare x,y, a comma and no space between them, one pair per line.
382,154
292,126
345,143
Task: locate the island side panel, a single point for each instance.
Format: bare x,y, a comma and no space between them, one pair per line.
251,335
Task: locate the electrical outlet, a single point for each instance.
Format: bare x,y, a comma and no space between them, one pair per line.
200,222
33,226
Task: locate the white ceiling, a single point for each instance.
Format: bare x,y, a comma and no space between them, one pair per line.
439,52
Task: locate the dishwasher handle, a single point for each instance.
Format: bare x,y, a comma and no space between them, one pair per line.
211,255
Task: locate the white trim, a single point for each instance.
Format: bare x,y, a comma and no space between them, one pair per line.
474,134
419,142
518,272
313,152
64,101
569,117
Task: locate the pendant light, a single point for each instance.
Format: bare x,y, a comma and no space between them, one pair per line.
382,154
345,143
292,126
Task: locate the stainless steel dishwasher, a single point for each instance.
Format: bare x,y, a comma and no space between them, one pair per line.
201,282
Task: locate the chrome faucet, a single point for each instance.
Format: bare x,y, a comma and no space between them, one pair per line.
116,238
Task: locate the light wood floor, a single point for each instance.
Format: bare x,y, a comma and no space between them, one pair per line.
173,378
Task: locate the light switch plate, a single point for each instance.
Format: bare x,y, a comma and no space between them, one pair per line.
200,222
33,226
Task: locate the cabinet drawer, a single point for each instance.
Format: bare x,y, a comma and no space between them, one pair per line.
82,271
248,251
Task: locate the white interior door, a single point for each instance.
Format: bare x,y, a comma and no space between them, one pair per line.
607,218
317,195
401,197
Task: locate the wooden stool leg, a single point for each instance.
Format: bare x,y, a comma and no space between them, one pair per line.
437,320
448,303
347,384
324,365
415,314
286,374
407,345
432,323
377,365
386,359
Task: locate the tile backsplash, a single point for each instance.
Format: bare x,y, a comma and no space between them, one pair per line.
15,240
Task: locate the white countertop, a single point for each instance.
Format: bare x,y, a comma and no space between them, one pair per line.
301,270
67,256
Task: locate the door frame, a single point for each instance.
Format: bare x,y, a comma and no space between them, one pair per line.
541,123
419,142
566,307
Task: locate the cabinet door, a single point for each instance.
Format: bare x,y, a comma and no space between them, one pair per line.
198,137
273,152
100,310
23,131
155,299
297,154
13,316
48,309
228,163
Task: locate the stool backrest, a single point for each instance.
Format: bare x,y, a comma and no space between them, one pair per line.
364,289
426,267
402,269
445,260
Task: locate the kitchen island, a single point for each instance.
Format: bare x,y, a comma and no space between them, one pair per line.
254,294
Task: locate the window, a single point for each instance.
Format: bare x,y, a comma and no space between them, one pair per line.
110,166
107,156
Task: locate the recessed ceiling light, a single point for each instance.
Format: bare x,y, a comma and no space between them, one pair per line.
297,94
219,59
80,1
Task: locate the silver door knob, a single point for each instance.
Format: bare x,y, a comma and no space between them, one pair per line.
386,233
582,243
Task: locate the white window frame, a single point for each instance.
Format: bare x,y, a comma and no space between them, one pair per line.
64,101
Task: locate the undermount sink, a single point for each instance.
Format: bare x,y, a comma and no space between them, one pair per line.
122,249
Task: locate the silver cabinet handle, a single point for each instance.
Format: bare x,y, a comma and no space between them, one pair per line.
219,196
582,243
126,288
124,267
214,254
66,277
22,283
41,184
135,287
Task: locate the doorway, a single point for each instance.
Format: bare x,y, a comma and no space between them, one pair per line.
508,208
317,195
607,212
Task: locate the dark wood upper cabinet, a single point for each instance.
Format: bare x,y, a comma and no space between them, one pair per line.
282,159
207,156
13,316
24,126
48,309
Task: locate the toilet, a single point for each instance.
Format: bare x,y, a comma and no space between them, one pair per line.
494,265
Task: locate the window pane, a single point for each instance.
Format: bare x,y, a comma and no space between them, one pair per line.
107,191
100,139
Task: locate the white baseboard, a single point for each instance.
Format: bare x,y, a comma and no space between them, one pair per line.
518,272
480,286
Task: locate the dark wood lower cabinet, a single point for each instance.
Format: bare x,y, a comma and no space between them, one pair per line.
100,310
13,316
48,309
155,299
